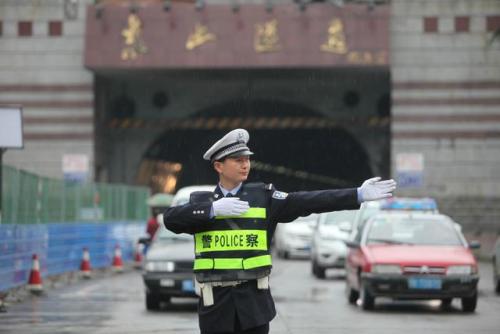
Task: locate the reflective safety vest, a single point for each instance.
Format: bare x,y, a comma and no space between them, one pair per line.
234,248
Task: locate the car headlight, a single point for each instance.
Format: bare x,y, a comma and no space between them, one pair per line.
386,269
168,266
459,270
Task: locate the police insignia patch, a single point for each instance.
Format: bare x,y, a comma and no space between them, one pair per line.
280,195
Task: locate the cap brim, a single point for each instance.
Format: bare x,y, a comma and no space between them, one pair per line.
239,154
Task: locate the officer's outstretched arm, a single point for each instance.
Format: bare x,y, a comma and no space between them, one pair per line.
187,218
288,207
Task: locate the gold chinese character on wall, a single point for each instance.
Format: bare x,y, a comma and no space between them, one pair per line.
367,57
266,37
199,37
336,42
358,57
132,35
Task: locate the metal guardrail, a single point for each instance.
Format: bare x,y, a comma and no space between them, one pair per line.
59,247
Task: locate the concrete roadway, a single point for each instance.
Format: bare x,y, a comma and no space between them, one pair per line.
115,304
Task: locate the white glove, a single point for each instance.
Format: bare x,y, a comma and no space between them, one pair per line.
229,206
374,189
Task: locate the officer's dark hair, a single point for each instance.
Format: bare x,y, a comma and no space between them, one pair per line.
218,160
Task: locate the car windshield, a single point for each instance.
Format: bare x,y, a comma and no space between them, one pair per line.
339,217
412,231
168,236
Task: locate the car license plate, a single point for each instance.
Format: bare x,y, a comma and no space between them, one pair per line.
188,285
425,283
167,282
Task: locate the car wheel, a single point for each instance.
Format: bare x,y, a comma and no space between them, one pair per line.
351,294
367,300
318,271
497,286
446,302
152,302
469,303
286,255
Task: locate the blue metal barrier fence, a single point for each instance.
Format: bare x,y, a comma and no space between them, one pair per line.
59,247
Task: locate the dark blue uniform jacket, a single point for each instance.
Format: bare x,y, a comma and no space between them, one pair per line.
251,306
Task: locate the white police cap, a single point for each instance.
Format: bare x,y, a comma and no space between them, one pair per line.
233,144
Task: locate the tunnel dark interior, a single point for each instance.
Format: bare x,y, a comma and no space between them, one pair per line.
330,152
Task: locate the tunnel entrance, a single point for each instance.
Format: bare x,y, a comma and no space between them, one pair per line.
309,128
295,147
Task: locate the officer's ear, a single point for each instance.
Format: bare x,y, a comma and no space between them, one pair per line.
218,164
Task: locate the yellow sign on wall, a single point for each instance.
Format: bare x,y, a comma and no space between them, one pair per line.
266,39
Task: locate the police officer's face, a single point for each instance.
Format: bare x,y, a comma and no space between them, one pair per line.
234,169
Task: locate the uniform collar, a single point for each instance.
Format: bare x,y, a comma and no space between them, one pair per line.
233,191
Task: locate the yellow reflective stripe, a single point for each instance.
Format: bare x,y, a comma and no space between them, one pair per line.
257,261
200,264
233,263
230,240
236,263
251,213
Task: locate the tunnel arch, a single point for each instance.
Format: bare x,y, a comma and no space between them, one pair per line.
329,156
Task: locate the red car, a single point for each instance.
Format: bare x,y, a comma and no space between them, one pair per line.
411,255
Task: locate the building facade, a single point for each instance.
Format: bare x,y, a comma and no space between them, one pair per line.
427,113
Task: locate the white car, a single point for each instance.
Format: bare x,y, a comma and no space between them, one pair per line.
328,248
168,266
294,239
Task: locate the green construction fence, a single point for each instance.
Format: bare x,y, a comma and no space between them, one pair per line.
29,198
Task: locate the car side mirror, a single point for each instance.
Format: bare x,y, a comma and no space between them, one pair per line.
474,244
352,244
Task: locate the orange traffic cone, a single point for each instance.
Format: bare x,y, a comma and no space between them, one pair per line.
35,280
138,255
85,264
117,260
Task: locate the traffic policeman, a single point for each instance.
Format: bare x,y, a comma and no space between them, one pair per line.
233,227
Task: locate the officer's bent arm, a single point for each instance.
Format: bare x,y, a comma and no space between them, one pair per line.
303,203
187,218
